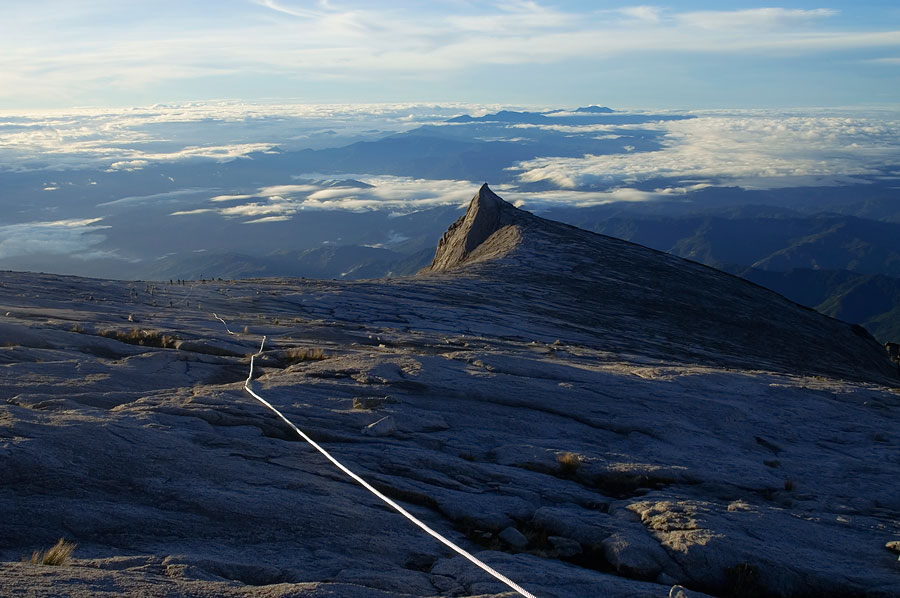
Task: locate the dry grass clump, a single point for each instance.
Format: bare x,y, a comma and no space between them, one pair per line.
57,555
569,462
298,355
142,337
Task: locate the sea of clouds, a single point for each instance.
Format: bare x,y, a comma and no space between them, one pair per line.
748,149
745,149
132,138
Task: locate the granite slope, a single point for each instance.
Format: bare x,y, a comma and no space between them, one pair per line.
590,417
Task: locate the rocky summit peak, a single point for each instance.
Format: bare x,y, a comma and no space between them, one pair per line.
486,230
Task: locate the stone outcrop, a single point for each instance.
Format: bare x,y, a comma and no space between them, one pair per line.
487,230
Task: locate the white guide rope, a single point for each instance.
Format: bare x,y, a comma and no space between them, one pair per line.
226,327
371,489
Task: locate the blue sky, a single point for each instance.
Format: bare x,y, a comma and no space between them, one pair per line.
59,54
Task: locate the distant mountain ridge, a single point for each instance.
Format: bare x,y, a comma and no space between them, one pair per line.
584,114
844,266
872,300
512,116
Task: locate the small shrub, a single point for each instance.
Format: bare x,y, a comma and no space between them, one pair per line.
58,555
569,463
298,355
367,402
142,337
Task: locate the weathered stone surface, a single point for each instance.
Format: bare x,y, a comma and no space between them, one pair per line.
385,426
514,538
635,554
674,384
564,547
209,347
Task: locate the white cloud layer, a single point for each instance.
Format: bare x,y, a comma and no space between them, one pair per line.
131,139
752,151
60,237
401,195
390,193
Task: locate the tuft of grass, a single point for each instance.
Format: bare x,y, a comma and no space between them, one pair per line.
142,337
569,463
57,555
299,355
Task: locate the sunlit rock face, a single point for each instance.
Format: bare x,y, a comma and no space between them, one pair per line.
490,228
589,416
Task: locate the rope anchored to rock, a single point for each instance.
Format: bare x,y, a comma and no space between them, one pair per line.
497,575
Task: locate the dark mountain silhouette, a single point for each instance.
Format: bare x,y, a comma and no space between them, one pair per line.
844,266
871,300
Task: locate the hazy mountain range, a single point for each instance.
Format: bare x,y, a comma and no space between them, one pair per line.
368,195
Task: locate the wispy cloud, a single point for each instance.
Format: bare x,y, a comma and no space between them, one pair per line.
648,14
754,19
262,43
288,9
155,197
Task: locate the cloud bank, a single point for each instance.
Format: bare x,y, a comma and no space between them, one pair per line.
60,237
399,195
133,138
390,193
751,151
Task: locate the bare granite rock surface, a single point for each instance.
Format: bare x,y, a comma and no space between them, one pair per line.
590,417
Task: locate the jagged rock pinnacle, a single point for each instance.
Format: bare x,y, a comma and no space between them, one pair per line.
487,215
